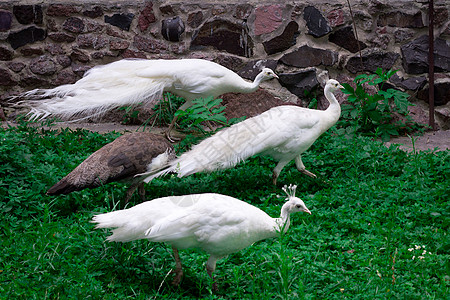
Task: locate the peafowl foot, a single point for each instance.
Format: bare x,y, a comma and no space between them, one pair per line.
308,173
171,138
178,276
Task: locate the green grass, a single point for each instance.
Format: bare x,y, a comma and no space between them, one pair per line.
370,205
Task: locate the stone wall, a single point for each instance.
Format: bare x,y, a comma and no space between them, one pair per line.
49,43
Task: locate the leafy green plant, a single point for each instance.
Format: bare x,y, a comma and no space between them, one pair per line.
373,114
203,111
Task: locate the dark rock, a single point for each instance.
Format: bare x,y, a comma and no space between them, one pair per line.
178,48
316,23
284,41
133,54
27,14
31,81
268,18
61,10
6,78
43,65
6,54
26,36
28,51
440,16
95,12
79,70
16,66
400,19
74,24
123,21
299,82
118,44
79,55
65,77
345,38
372,61
93,26
101,54
148,45
413,83
441,94
167,9
401,35
442,114
415,55
172,29
223,35
243,11
95,41
64,60
306,56
253,68
336,18
54,49
233,63
61,37
52,26
249,105
195,19
146,17
5,20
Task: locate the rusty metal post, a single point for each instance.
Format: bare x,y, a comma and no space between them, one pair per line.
431,64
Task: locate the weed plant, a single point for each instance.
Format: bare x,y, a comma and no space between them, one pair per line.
378,230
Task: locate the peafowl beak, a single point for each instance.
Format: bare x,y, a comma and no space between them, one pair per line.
307,211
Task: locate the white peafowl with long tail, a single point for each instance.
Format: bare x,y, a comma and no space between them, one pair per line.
215,223
283,132
132,81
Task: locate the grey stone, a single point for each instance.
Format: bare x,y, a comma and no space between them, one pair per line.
65,77
26,36
299,82
371,61
64,60
62,10
284,41
146,17
79,55
243,11
118,44
122,21
315,21
223,35
415,55
43,65
27,14
5,20
306,56
345,38
28,51
172,29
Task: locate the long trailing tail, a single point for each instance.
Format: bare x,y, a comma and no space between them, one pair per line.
102,89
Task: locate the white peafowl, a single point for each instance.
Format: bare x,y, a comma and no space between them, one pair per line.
283,132
132,81
120,160
218,224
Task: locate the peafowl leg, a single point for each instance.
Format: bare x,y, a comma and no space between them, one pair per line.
141,191
210,267
301,167
172,124
130,192
276,172
178,267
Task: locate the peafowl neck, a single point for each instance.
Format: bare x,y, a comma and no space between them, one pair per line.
250,87
334,109
284,221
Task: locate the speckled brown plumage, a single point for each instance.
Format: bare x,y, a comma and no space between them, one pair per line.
128,155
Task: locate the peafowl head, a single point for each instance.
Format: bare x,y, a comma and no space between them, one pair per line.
267,74
333,85
294,204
